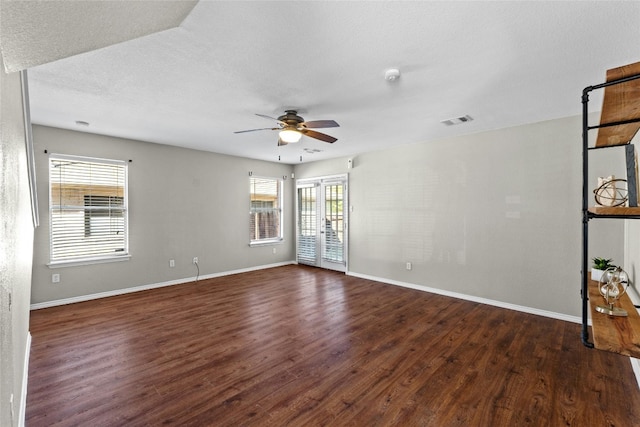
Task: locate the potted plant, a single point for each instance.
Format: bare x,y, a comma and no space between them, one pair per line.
599,266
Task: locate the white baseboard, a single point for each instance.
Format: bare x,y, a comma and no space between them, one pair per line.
501,304
25,378
115,292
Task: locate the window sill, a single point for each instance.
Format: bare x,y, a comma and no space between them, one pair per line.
267,242
80,262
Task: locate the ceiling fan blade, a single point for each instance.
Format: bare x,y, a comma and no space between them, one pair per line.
253,130
317,135
268,117
321,124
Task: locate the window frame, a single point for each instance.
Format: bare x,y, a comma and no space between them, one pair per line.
85,259
279,208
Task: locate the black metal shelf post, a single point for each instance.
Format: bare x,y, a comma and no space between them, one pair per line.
585,216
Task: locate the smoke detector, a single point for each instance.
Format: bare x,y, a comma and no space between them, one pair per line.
392,74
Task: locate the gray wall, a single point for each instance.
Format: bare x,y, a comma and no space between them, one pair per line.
16,249
182,204
493,215
632,257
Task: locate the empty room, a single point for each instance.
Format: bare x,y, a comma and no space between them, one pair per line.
319,213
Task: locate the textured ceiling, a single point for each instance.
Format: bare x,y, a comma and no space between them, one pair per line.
502,63
37,32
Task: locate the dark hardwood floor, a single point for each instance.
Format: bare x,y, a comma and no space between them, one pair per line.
301,346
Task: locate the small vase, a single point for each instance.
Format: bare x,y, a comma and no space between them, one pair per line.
596,274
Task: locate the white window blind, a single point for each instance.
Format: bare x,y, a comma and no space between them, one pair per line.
265,223
88,209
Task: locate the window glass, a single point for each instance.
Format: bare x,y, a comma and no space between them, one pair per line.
265,224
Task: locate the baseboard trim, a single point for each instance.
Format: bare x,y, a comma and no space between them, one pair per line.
22,414
495,303
81,298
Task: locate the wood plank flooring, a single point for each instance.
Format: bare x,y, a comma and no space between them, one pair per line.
300,346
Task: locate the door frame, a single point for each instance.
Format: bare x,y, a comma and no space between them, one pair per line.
318,183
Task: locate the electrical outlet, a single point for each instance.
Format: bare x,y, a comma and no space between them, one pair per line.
408,266
55,278
195,259
274,250
172,263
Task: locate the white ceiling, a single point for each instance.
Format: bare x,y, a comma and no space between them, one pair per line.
36,32
502,63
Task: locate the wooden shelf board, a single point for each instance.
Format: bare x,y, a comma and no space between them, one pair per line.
618,210
615,334
621,102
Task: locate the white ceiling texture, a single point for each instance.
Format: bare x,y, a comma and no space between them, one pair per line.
214,65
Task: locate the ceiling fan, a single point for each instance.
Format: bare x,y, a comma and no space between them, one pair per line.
292,127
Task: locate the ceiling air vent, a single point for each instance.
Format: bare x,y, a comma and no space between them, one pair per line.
457,120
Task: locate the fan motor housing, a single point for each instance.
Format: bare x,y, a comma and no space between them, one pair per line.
291,118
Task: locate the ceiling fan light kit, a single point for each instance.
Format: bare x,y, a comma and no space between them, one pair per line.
290,135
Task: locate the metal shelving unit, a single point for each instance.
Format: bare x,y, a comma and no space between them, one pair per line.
620,335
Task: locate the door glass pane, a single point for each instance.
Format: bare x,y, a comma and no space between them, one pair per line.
334,223
307,220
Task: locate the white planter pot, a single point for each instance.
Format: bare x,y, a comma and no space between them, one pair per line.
596,274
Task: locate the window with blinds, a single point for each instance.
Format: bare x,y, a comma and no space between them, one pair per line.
265,224
88,209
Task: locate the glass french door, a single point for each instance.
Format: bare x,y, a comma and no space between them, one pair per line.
322,222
